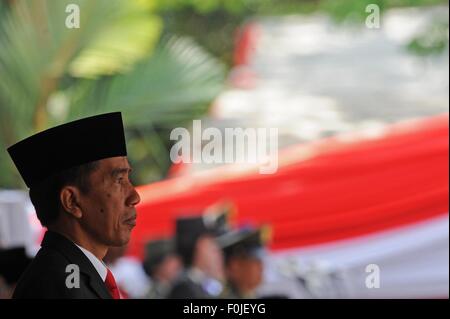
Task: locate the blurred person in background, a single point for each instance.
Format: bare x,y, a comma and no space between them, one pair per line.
130,277
244,251
162,265
13,262
78,175
202,258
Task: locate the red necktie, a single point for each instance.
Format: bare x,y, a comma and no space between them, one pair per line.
110,283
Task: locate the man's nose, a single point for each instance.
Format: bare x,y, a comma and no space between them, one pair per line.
134,198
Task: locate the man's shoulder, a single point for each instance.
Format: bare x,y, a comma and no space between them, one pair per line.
46,276
47,261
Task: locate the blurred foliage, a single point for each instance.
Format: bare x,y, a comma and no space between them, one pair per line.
131,35
155,60
432,41
355,9
115,61
212,23
222,18
337,8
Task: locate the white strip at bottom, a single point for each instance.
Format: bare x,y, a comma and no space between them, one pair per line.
406,262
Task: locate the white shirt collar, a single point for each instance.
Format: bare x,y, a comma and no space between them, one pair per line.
97,263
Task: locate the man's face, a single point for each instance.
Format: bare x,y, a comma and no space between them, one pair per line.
108,208
169,269
245,272
209,257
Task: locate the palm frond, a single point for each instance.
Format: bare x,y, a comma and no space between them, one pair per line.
178,80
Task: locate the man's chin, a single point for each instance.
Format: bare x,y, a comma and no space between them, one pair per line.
124,240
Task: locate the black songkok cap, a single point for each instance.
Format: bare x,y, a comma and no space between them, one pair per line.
62,147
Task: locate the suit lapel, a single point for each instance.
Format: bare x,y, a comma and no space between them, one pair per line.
77,257
99,287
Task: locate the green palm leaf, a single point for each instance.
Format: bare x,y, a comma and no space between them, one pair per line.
50,74
178,80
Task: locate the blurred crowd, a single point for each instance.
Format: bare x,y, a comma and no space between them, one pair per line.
206,258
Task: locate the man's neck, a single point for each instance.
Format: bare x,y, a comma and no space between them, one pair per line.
81,238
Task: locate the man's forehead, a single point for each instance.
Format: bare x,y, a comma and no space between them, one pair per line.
114,163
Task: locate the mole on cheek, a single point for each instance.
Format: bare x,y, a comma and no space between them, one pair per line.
102,210
109,195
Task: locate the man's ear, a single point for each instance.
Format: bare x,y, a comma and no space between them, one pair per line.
70,199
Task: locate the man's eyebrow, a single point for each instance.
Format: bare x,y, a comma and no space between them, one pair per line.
121,170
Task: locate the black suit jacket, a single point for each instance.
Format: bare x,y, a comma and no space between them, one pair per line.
187,288
46,276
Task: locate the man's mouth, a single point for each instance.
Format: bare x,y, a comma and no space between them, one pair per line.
131,221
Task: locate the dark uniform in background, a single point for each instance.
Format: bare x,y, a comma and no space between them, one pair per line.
162,265
194,283
13,262
244,251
